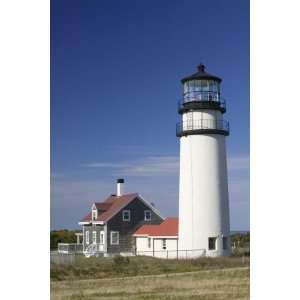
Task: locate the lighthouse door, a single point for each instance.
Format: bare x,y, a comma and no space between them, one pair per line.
189,121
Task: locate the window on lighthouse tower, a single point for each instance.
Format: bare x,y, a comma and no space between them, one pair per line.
212,243
225,243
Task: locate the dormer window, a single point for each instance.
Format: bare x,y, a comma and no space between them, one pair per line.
94,214
147,215
126,215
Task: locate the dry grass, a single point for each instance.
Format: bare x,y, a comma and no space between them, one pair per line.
221,284
151,278
97,268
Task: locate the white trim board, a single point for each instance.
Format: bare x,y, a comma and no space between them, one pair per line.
174,237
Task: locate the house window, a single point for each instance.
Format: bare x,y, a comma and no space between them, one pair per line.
149,242
94,214
147,215
94,237
114,237
225,243
101,237
126,215
164,244
87,237
212,243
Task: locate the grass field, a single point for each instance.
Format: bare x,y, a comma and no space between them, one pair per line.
101,278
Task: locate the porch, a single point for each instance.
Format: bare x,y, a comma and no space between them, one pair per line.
94,249
69,248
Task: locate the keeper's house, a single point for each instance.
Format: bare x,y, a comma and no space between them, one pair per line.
125,224
109,226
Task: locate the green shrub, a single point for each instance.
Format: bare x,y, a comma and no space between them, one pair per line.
240,240
61,236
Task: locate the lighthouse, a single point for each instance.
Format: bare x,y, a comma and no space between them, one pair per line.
203,186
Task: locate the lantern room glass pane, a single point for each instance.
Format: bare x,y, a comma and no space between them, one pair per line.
201,90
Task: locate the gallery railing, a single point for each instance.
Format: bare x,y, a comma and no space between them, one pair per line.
202,126
201,99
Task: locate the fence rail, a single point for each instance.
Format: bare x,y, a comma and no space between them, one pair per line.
96,249
69,248
171,254
57,257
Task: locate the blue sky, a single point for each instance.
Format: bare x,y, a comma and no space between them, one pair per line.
115,82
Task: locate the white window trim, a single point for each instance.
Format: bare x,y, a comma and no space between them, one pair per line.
129,215
101,238
94,212
87,237
164,244
94,237
145,214
111,240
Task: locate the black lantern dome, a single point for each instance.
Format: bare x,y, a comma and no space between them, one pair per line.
201,74
201,90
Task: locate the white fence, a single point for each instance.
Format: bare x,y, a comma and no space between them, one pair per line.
98,250
62,258
69,248
174,254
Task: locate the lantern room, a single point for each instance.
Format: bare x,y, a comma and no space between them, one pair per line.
201,106
201,90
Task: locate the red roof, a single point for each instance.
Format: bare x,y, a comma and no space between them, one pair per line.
110,207
102,206
169,227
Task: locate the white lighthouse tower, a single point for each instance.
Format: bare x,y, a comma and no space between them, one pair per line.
203,186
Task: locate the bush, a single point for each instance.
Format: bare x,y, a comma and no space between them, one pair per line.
240,240
61,236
